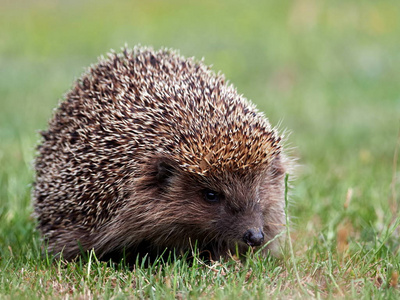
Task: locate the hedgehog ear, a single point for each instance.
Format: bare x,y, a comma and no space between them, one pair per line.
277,168
165,169
157,172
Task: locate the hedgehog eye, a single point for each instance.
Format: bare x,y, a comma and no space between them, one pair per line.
211,196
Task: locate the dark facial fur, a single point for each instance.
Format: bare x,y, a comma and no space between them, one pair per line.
152,151
175,212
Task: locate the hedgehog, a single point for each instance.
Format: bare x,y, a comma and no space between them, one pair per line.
151,151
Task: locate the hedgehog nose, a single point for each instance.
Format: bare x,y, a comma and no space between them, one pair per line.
254,237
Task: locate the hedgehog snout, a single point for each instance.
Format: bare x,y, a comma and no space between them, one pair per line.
254,237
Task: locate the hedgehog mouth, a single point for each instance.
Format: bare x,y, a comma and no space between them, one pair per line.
217,250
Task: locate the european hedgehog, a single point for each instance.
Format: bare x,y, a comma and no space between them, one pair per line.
151,151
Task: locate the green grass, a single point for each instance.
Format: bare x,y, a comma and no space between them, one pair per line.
328,71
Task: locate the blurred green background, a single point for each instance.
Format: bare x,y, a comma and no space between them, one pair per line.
328,71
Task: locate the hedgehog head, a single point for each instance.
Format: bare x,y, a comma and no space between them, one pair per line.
221,209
